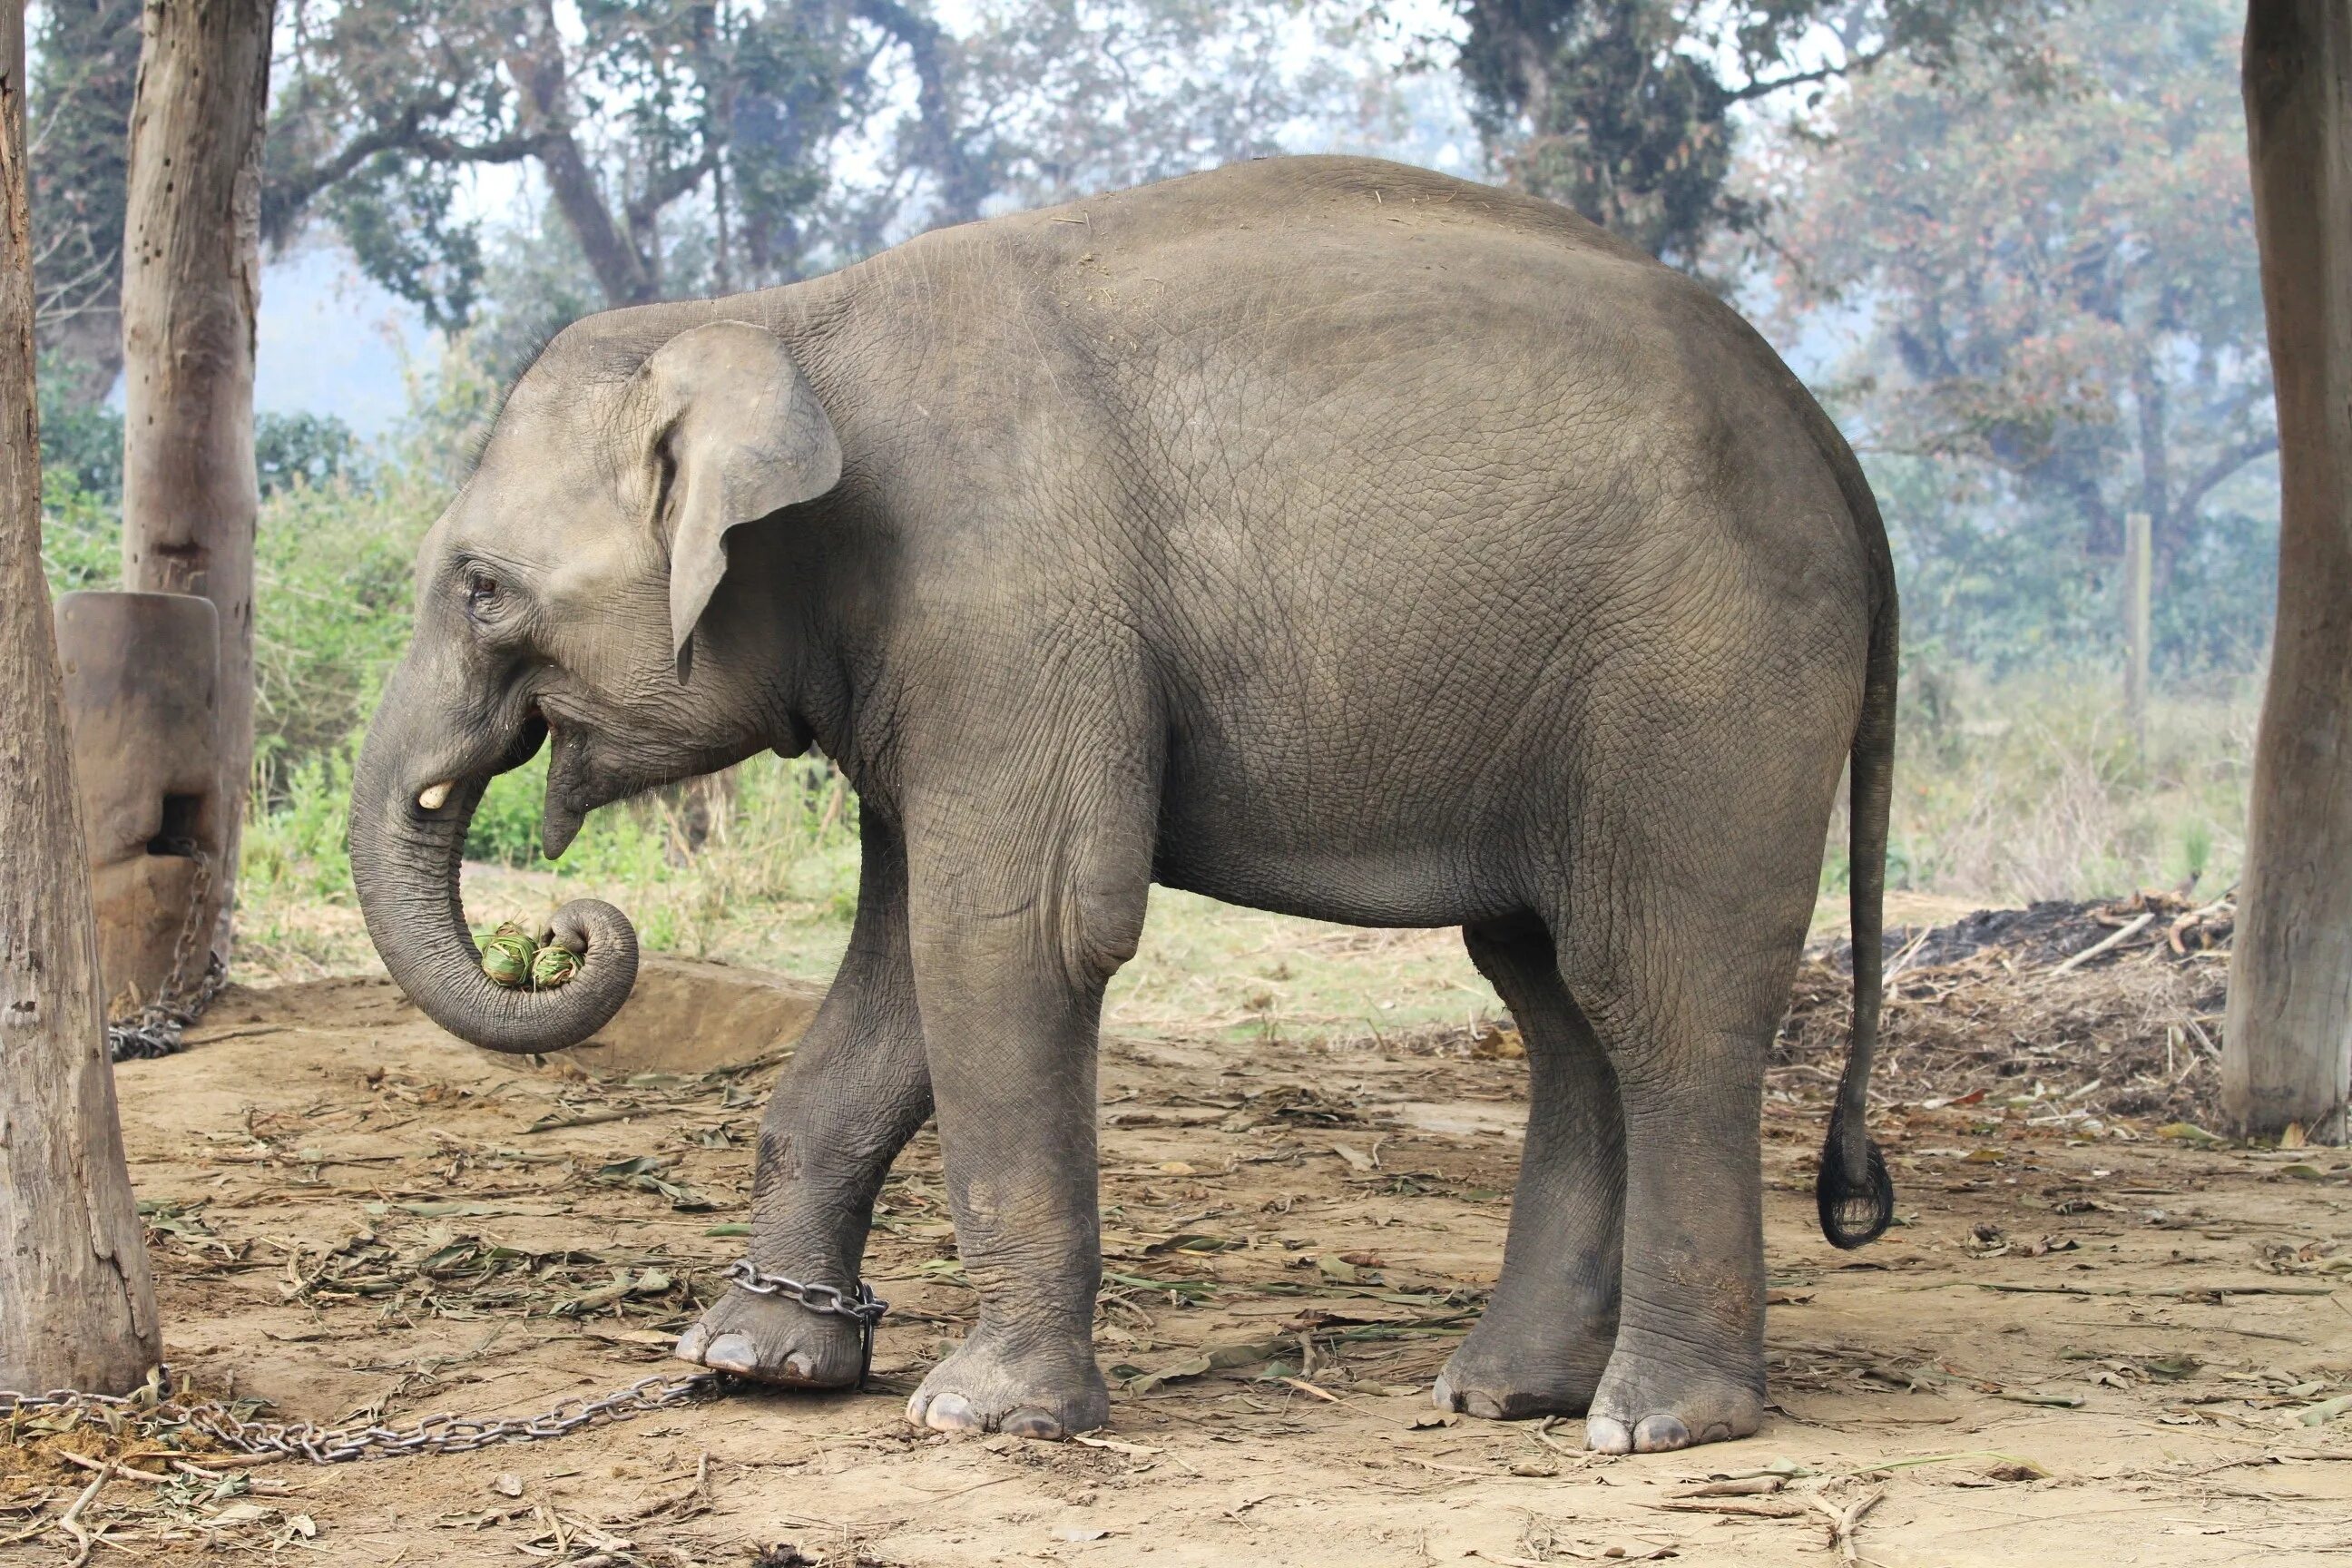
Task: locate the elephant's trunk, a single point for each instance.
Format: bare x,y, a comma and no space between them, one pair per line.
405,862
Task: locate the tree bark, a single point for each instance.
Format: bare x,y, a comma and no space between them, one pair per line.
2288,1052
77,1305
190,287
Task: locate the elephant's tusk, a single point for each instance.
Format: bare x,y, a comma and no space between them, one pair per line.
436,796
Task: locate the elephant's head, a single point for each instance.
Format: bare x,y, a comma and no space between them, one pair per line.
562,598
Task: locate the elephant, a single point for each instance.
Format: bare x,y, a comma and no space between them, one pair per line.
1319,534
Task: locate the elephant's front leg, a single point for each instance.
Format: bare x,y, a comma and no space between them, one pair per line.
856,1089
1010,964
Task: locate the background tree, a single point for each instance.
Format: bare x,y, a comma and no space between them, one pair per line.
686,146
2288,1061
1624,109
190,287
77,1305
2059,316
733,111
80,121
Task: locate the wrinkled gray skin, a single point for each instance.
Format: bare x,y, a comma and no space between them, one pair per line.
1319,534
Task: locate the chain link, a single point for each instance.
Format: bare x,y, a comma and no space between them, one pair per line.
443,1433
438,1434
858,1303
155,1029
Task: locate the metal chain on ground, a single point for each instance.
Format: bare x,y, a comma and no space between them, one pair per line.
443,1433
440,1433
155,1029
862,1306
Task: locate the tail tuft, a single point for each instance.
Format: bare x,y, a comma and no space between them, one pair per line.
1856,1206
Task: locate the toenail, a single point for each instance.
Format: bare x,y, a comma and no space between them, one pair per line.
1441,1393
690,1343
1604,1436
798,1366
1031,1424
1482,1405
951,1413
1661,1433
916,1405
733,1353
1719,1432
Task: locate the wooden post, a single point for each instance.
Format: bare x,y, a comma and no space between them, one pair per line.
191,282
77,1305
2287,1054
2139,588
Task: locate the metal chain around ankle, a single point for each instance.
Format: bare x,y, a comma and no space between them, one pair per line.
858,1303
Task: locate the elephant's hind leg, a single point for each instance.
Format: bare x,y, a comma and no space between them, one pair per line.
1685,1006
1546,1338
856,1090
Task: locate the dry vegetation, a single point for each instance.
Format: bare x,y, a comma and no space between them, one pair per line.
2097,1326
2097,1332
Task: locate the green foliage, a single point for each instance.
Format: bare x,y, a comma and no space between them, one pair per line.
333,585
398,216
294,848
1619,123
81,536
81,441
2062,324
291,450
382,104
1624,109
506,824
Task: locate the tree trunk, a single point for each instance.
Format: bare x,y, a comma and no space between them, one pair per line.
77,1306
2289,1045
190,285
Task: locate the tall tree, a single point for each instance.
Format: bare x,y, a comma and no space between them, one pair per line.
640,107
2057,290
1623,109
191,287
703,145
81,134
2287,1059
76,1304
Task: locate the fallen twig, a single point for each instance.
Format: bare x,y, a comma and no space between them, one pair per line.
105,1467
1844,1521
2114,940
1735,1508
70,1521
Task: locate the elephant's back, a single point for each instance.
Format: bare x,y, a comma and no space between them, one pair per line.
1340,355
1343,380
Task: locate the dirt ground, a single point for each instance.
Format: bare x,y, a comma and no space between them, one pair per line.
2098,1334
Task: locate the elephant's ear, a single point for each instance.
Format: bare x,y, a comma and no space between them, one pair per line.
743,436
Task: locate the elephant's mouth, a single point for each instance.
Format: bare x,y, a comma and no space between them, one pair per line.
576,785
435,799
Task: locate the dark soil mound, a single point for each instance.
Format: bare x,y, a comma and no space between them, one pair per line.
2056,931
2081,1013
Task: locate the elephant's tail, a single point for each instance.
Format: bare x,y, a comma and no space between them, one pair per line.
1853,1192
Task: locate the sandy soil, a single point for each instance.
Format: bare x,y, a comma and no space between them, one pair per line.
2086,1342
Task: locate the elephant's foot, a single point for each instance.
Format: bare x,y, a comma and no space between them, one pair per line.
1051,1391
1648,1406
771,1340
1517,1366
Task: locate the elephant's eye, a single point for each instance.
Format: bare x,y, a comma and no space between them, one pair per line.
481,591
